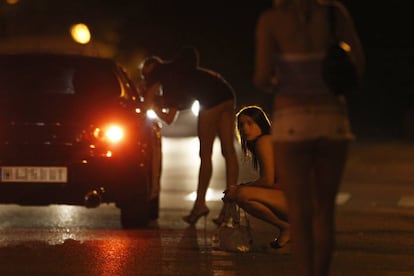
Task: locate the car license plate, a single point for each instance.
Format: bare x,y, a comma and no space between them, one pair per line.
34,174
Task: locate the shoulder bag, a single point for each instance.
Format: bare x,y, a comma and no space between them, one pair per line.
338,70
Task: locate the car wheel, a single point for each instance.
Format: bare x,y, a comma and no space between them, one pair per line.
135,214
154,208
135,206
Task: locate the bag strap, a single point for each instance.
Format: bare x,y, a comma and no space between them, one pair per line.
232,213
246,218
238,215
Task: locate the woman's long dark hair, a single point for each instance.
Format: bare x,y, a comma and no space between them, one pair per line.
262,120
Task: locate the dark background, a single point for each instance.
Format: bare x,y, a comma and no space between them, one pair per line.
223,31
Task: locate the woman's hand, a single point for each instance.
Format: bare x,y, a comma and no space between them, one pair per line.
230,194
152,92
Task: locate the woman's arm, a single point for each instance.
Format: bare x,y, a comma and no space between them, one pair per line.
154,101
264,153
264,77
150,93
168,115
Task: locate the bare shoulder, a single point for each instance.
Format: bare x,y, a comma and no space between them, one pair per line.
264,142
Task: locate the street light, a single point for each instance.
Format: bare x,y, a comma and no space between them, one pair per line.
80,33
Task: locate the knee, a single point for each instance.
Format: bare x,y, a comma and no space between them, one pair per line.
241,195
228,152
243,200
205,154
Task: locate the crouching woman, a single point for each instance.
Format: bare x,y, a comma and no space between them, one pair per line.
263,198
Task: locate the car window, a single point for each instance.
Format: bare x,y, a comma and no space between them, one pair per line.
92,81
129,89
18,80
57,76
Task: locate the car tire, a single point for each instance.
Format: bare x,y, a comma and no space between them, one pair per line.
135,214
154,208
135,207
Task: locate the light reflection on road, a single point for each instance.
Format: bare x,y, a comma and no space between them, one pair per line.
180,170
56,224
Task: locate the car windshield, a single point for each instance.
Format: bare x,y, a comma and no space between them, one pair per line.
33,75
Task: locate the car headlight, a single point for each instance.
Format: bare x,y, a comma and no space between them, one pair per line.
195,108
151,114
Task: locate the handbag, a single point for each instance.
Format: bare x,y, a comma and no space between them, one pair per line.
338,70
233,235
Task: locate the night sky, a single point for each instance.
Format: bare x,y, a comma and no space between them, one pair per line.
223,31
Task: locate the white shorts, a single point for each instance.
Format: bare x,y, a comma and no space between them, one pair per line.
311,122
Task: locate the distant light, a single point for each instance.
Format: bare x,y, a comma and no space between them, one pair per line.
80,33
211,195
195,108
151,114
12,2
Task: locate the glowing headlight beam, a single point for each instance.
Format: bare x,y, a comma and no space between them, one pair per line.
195,108
151,114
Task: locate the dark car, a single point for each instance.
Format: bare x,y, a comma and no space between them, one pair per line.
73,131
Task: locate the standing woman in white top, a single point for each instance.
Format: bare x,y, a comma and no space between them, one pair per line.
311,128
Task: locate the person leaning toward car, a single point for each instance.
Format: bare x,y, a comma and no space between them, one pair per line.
180,82
312,129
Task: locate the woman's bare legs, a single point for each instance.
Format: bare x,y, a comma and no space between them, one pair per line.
329,167
294,169
207,129
226,135
267,204
311,168
210,123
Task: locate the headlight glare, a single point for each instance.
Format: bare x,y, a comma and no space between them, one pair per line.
114,134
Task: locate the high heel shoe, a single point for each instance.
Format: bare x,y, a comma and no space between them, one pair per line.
222,215
275,244
219,220
195,215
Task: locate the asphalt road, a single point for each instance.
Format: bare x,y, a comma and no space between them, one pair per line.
375,228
